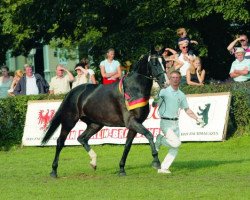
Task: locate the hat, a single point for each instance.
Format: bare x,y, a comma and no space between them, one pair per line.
79,65
183,43
240,50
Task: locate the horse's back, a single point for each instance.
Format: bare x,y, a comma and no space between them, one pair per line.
102,104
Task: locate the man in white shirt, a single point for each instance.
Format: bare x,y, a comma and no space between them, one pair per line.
171,101
243,40
240,68
60,84
31,84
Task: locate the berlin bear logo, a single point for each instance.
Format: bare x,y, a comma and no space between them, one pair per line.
204,113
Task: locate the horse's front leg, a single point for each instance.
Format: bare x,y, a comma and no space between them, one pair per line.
84,138
139,128
130,137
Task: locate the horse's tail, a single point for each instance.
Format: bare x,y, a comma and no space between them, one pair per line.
54,123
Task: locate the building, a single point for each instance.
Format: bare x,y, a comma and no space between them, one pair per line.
44,59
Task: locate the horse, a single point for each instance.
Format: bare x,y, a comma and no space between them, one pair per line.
106,105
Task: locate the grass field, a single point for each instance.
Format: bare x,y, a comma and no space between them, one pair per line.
219,170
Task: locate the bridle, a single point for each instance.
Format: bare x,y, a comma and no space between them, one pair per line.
148,72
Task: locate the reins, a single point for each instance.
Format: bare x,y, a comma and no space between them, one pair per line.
149,77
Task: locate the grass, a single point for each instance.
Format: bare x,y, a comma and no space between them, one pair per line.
219,170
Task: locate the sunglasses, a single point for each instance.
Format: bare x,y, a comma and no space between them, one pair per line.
242,40
184,47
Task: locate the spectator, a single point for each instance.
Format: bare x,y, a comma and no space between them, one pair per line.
126,67
31,83
240,69
186,57
171,100
60,84
195,73
5,82
110,68
244,44
172,61
184,39
17,77
90,72
81,76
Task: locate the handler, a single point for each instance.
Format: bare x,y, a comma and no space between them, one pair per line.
170,101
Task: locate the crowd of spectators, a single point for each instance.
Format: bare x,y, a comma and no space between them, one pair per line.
184,60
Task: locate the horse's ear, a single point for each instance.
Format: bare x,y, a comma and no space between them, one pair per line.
152,50
160,52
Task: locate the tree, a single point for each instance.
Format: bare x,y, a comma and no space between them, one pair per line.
130,26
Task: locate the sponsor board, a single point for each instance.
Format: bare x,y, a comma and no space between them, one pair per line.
212,108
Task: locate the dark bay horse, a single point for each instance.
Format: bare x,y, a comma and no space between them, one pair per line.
104,105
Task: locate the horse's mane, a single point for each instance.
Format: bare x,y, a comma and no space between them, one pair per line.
140,62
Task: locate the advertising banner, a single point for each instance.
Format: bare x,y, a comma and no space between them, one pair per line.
212,108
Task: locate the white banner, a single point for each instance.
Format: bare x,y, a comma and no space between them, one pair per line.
213,108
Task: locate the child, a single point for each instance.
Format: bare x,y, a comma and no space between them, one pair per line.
184,39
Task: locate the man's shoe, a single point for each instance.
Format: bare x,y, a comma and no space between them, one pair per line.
164,171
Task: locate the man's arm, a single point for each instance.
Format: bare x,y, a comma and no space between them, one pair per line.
237,73
71,77
232,44
191,114
193,42
171,50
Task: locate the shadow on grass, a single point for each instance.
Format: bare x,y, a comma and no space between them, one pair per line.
199,164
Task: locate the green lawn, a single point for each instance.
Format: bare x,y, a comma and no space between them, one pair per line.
218,170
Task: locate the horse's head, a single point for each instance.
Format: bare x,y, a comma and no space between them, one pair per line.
157,70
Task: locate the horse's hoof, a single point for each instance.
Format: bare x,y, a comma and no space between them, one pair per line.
156,165
53,175
93,166
122,174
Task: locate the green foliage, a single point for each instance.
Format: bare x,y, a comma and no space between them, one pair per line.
12,120
14,110
128,26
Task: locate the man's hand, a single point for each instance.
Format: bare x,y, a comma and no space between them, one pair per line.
155,102
200,122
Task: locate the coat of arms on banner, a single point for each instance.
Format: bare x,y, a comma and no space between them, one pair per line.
204,113
44,117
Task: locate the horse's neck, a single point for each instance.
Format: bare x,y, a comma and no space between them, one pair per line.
139,82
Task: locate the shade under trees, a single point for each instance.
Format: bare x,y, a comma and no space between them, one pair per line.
129,26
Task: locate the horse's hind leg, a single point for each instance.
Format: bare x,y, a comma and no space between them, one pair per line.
130,137
84,138
60,144
139,128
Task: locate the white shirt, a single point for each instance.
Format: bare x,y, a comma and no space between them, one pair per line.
110,67
60,85
171,101
91,72
31,87
185,66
